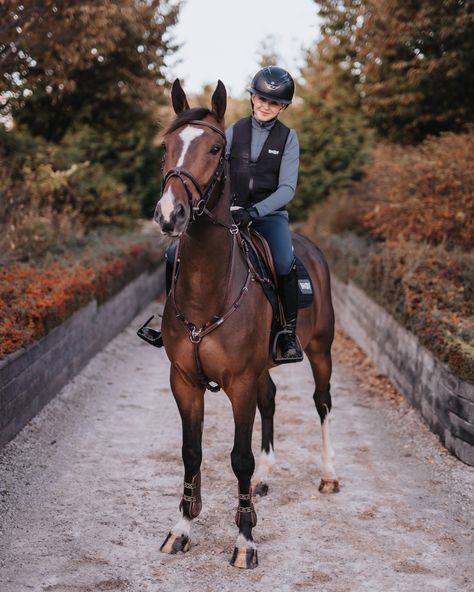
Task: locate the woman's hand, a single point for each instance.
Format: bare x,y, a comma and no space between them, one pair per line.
244,216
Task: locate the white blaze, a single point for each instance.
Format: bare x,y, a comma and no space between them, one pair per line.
167,204
187,136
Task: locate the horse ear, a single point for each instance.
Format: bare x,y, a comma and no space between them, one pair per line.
178,98
219,101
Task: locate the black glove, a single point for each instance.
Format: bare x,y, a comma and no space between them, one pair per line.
243,216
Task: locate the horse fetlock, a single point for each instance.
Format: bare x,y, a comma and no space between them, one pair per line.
246,516
191,503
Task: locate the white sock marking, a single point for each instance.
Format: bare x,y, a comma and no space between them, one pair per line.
182,527
327,453
243,543
265,463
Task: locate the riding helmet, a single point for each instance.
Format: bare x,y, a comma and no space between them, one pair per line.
273,83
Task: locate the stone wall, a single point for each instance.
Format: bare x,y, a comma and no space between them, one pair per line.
31,377
445,401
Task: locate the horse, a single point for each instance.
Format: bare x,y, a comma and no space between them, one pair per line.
216,320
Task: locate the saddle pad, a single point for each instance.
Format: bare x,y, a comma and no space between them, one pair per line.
305,285
263,266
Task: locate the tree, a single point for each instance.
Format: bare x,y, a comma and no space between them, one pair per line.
46,45
416,62
331,128
88,78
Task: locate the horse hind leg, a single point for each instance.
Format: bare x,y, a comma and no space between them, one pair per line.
321,365
266,390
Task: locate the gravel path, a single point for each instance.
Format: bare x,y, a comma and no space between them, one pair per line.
90,488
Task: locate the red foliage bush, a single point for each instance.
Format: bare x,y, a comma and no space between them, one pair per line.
405,235
34,299
422,194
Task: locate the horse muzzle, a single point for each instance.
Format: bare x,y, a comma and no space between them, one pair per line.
172,221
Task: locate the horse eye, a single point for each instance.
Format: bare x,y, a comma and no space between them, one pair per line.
215,149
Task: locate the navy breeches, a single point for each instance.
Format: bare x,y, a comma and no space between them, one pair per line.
276,230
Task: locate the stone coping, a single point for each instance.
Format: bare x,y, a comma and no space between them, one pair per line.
445,401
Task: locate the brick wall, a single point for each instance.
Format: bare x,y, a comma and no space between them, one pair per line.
445,401
31,377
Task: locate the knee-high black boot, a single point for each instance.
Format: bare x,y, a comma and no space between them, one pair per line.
288,292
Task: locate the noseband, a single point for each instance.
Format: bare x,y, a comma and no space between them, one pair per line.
183,175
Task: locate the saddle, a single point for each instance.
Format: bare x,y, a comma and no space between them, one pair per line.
260,260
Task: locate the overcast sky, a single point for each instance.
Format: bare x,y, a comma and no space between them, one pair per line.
221,39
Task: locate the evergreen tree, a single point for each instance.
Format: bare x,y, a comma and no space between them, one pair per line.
91,80
332,131
416,61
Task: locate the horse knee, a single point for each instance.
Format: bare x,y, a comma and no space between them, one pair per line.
322,400
242,465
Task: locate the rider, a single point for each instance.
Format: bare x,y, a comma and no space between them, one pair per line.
264,159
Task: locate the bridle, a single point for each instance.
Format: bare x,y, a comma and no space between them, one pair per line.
184,176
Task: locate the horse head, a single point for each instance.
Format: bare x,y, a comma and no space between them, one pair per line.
193,162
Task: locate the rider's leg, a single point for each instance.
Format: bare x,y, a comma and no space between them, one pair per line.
288,291
275,228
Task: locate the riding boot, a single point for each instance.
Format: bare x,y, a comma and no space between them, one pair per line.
288,292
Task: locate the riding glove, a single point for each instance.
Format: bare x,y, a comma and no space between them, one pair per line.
243,216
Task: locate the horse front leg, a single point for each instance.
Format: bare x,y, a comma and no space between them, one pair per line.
190,401
243,465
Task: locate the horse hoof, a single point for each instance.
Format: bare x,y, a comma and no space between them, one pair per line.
329,486
261,489
175,544
244,558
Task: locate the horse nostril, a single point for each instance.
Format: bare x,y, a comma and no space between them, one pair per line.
180,211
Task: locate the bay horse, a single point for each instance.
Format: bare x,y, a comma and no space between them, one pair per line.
217,320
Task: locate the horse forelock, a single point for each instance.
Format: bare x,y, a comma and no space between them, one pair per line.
196,113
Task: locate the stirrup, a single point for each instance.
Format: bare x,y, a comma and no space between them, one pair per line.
280,359
151,336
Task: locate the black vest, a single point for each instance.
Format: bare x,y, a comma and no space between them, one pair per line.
253,181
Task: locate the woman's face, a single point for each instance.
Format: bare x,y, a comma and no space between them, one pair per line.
264,110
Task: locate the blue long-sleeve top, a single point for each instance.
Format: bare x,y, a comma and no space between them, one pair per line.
288,169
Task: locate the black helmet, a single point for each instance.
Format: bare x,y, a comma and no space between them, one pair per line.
273,83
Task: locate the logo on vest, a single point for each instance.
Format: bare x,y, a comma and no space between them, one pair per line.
270,151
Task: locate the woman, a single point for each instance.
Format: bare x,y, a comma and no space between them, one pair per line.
264,159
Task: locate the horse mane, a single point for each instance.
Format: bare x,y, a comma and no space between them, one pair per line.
186,116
